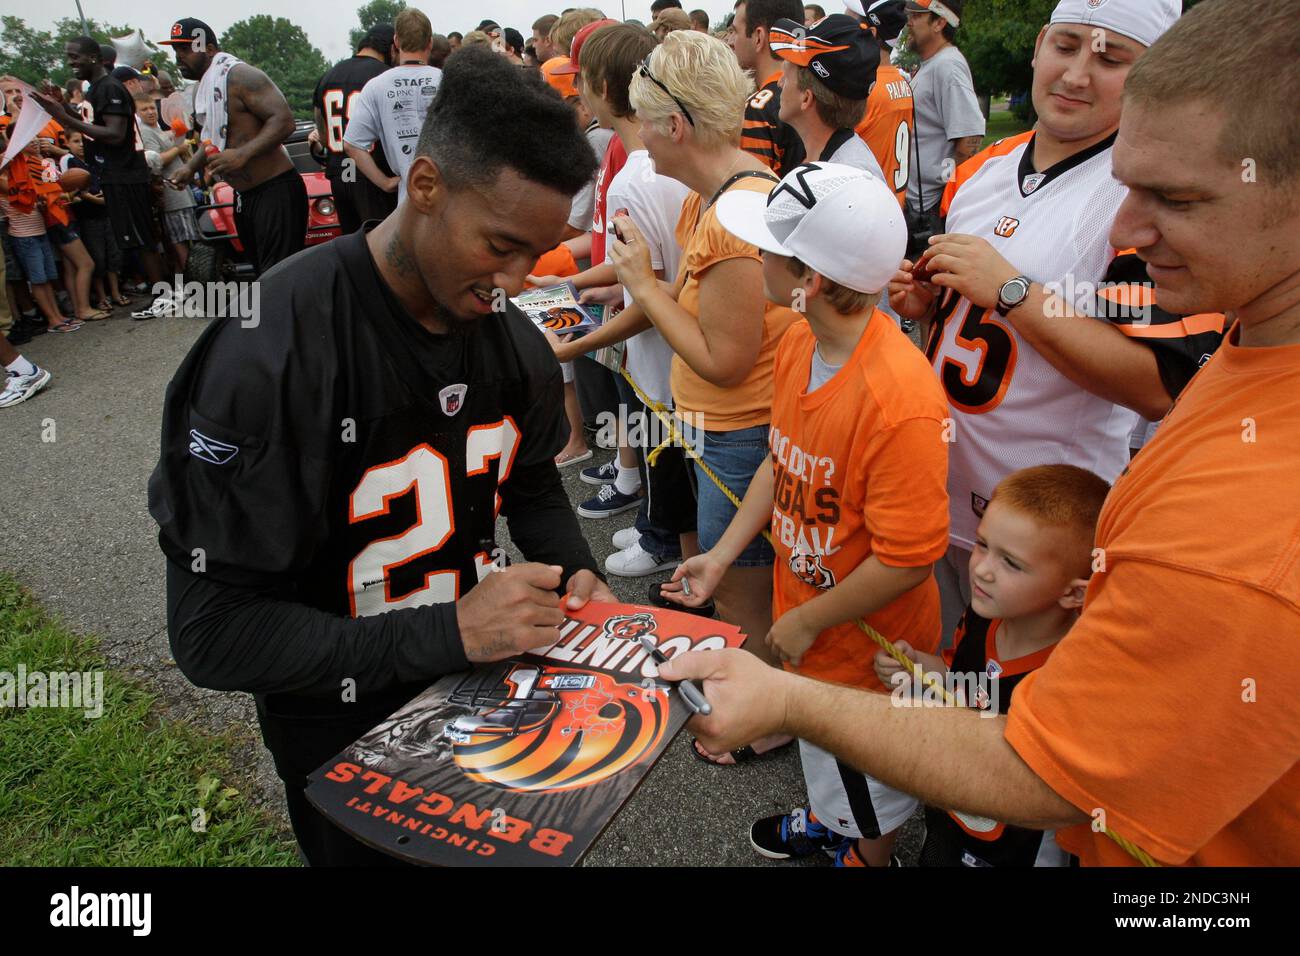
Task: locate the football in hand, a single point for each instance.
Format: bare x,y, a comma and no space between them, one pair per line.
74,179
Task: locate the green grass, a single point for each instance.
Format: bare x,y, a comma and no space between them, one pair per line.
120,789
1002,123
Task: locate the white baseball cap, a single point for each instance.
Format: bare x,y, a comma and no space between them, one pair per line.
1141,20
840,221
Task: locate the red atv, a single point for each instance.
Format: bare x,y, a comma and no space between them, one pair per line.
220,256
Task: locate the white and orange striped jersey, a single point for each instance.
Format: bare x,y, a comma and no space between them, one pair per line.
1012,408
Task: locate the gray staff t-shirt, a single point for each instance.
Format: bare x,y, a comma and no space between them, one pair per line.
946,109
390,109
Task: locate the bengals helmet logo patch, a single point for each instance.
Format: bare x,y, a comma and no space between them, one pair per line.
1006,227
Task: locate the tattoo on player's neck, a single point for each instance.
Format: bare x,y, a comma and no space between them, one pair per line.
398,258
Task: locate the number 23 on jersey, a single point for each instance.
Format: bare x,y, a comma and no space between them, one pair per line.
425,473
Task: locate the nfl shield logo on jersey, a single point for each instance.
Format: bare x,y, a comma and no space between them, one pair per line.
1032,182
452,397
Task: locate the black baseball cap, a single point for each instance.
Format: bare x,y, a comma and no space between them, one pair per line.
887,16
839,49
378,38
185,31
124,73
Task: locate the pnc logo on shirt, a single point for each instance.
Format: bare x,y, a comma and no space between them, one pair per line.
1006,227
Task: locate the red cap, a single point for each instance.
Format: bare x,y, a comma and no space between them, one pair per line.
579,39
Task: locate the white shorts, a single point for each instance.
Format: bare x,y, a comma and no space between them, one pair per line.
952,574
848,802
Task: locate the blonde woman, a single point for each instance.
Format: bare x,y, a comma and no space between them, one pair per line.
690,96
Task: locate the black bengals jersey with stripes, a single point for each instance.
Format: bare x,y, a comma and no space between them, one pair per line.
765,135
333,97
963,839
339,456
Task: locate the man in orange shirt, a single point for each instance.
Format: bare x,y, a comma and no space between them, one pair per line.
853,486
887,124
1168,717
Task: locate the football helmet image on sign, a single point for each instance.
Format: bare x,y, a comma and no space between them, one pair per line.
553,729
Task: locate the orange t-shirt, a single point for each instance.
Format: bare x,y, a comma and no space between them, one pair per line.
860,468
886,127
704,246
1172,703
558,262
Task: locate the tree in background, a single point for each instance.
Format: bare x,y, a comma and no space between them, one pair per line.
35,55
376,11
280,49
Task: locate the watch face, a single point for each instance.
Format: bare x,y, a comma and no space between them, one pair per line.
1014,291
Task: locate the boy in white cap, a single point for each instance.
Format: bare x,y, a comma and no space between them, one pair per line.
852,398
1046,343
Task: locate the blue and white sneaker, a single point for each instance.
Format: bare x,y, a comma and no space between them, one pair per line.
794,834
19,388
600,474
608,502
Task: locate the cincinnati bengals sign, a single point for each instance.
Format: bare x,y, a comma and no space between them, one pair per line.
525,761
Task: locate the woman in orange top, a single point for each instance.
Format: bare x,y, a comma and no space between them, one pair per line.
690,97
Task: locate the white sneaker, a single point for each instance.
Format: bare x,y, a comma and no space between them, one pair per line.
624,539
634,562
19,388
162,307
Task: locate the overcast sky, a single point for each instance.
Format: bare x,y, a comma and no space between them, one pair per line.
326,22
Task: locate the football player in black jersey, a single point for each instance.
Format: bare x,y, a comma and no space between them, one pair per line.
331,474
356,198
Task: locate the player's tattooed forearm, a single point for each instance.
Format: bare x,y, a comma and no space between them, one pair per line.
488,650
398,257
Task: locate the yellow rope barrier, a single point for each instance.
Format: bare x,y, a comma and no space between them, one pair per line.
667,419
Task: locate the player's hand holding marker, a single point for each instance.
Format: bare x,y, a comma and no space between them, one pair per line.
515,609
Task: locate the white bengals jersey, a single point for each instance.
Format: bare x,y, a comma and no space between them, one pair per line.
1011,408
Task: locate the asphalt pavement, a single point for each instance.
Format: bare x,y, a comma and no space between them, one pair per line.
74,463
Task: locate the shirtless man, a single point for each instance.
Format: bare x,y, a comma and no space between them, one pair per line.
245,120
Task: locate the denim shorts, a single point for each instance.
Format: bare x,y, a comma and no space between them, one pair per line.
37,258
734,457
61,235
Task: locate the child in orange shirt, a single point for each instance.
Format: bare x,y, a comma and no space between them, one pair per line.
1029,571
854,485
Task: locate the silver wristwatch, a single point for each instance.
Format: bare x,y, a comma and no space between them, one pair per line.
1012,293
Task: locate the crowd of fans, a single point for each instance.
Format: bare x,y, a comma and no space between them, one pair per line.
815,270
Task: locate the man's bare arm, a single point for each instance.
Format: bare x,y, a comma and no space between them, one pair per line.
365,162
1094,355
263,99
965,148
947,756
